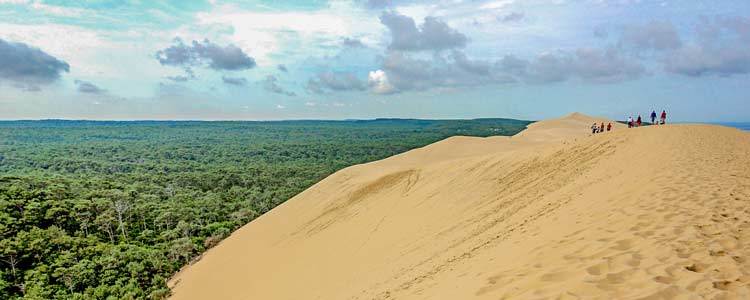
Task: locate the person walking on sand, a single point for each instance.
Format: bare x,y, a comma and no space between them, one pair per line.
640,121
630,122
594,128
663,116
609,126
653,117
601,129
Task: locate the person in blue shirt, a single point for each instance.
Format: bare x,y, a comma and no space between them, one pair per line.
653,117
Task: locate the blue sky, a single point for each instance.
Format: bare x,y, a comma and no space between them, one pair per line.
260,60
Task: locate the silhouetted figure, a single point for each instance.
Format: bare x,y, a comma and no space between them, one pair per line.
663,116
653,117
640,121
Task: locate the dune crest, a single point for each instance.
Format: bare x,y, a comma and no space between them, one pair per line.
659,212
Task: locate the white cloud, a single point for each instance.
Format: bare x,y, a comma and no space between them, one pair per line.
14,1
57,10
73,44
298,34
379,83
110,58
279,106
497,4
310,103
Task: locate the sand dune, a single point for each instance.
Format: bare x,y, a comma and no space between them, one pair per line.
554,212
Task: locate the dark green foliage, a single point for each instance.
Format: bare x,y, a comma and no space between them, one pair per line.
110,210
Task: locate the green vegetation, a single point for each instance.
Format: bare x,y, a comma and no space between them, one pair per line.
110,210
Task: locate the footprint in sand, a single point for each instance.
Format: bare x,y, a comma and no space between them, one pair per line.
727,285
696,267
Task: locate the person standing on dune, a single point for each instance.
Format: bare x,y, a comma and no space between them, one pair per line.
630,122
640,121
601,129
653,117
594,128
663,116
609,126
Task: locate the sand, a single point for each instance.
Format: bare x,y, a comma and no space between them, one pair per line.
659,212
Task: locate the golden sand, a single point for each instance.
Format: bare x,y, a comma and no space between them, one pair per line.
659,212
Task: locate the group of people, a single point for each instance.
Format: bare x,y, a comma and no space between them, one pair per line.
596,128
638,122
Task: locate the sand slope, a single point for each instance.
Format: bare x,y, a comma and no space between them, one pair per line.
657,212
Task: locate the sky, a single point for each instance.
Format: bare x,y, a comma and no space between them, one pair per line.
364,59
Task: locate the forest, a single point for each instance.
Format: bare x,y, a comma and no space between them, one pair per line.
110,210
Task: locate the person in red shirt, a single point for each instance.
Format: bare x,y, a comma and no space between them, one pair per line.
640,121
663,116
609,126
601,129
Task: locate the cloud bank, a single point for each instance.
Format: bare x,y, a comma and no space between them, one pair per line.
433,34
206,53
332,81
28,66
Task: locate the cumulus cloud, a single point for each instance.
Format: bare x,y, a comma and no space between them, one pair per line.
330,81
400,71
548,67
433,34
27,66
606,66
271,84
655,35
379,83
229,58
89,88
723,49
475,67
720,46
588,64
512,65
234,80
405,72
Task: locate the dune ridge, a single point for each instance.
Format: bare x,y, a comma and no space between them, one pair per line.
659,212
